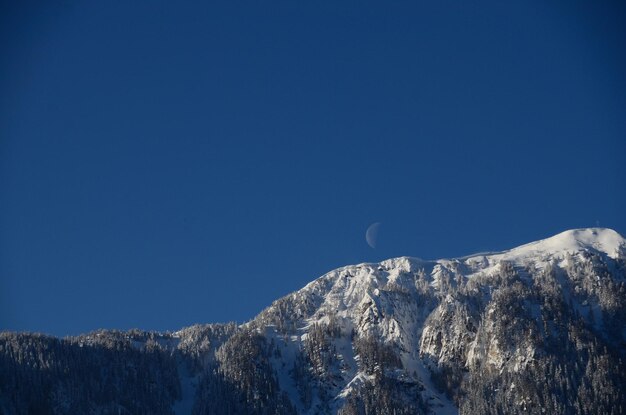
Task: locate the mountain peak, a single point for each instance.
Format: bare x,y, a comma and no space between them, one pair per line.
602,240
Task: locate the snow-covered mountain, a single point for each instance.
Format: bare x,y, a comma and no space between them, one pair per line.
537,329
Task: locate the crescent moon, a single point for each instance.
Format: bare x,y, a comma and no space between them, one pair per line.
372,234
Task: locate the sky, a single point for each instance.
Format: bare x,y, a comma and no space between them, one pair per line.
170,163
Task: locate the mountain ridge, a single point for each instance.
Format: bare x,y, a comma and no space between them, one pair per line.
539,326
586,238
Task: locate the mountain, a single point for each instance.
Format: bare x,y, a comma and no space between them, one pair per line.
537,329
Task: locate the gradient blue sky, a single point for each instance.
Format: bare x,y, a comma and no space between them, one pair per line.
169,163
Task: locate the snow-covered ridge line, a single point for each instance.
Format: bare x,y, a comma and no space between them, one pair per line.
603,240
600,240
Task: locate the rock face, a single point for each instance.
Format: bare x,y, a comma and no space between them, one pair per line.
537,329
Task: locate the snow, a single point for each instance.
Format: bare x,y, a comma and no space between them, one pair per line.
284,363
602,240
438,401
188,385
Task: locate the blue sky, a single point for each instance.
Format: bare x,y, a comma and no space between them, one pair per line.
171,163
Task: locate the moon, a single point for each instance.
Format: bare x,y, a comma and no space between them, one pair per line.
372,234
